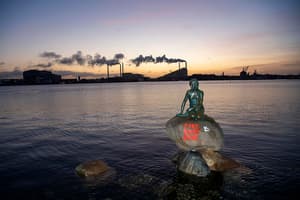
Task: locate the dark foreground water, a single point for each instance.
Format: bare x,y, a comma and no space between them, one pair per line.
46,131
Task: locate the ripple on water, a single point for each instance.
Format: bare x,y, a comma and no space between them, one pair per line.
44,136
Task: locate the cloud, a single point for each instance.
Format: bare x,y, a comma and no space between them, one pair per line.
2,63
50,54
160,59
42,65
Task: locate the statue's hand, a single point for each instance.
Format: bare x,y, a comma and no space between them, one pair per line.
181,114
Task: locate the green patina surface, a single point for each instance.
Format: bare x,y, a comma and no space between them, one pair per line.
195,97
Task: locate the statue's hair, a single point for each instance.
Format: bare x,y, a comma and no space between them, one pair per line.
194,81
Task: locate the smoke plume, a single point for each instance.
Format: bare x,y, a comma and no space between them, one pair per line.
96,60
160,59
80,59
99,60
119,56
77,58
42,65
50,54
65,61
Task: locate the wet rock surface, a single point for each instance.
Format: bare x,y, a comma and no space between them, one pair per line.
189,134
92,168
214,160
188,187
194,136
218,162
192,163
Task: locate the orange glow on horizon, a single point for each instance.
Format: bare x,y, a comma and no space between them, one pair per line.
157,70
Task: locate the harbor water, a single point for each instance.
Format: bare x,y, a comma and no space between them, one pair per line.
47,130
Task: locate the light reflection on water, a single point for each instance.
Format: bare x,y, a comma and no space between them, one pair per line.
47,130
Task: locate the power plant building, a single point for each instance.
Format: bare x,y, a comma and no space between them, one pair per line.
40,77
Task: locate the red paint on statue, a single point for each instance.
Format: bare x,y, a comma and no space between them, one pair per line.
191,131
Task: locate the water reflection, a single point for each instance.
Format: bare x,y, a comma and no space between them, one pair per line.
186,187
48,130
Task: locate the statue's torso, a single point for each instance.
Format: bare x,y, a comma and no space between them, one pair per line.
195,97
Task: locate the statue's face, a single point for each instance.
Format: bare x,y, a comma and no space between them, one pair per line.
194,84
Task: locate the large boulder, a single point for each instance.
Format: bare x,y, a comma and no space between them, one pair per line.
91,168
192,163
189,134
218,162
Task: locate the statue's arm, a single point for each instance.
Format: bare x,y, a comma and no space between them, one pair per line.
202,96
184,102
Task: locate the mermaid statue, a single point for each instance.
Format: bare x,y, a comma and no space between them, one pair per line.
194,132
195,97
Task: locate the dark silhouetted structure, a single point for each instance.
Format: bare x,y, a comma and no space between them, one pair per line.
117,63
244,74
47,77
177,75
133,77
40,77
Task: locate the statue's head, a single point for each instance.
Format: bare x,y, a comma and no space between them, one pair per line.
194,84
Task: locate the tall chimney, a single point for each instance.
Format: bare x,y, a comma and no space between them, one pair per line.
120,69
107,71
185,64
178,66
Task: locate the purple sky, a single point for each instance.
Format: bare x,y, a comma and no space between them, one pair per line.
213,35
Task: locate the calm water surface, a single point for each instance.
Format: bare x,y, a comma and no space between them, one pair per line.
46,131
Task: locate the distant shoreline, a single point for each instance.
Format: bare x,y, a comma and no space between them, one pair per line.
37,77
202,77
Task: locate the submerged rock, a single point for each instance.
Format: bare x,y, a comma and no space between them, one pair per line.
192,163
91,168
189,134
191,187
218,162
214,160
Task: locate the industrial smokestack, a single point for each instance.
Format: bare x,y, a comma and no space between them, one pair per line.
178,66
120,69
107,71
185,64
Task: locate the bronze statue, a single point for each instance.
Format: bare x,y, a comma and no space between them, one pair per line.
195,97
193,132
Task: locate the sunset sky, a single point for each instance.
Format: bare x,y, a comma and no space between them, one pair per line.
213,35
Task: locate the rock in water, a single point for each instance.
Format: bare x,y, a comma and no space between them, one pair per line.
218,162
192,163
91,168
189,134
